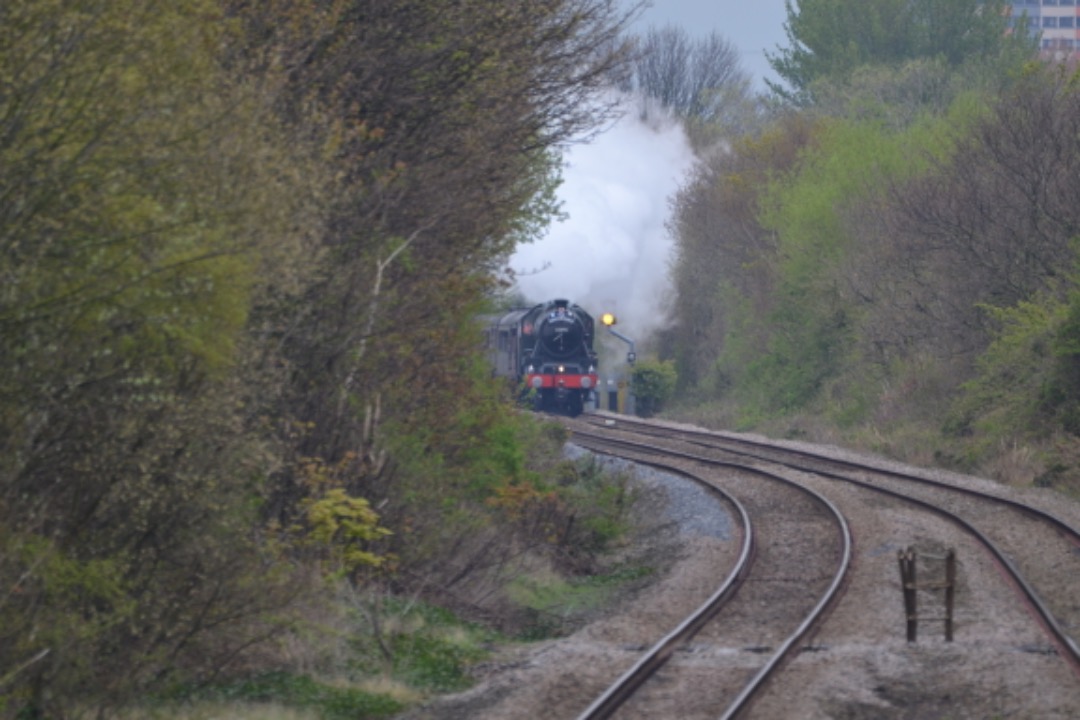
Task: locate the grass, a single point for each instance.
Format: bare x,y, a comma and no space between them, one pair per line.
555,602
421,650
430,649
220,711
275,696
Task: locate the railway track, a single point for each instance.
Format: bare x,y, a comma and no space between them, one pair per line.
799,537
990,529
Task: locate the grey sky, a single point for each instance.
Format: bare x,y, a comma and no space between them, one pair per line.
753,26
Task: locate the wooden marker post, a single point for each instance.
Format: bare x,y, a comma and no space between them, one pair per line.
907,583
910,586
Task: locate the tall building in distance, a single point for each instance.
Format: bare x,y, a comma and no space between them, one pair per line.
1055,22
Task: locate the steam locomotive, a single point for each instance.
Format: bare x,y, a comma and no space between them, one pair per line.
548,350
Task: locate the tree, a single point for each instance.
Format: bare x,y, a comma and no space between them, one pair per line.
145,198
725,266
699,79
439,123
896,96
830,39
241,247
989,223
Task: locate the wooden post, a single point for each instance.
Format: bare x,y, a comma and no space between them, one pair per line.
950,592
907,583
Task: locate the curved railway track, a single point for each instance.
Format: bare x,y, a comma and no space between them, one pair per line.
766,553
1011,527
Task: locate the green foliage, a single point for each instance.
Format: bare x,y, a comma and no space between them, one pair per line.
69,604
501,458
801,357
725,267
130,232
850,161
329,701
831,39
434,662
425,647
1061,395
543,206
797,331
143,197
809,324
883,263
555,602
654,385
1028,379
342,526
599,504
235,281
902,96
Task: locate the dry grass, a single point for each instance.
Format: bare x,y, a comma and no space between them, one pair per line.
1013,463
220,711
917,440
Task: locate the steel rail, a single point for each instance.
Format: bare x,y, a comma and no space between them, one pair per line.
628,683
1065,528
1068,646
786,648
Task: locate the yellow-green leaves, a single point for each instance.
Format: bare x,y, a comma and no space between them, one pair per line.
148,205
340,525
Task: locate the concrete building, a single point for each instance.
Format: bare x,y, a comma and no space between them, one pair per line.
1055,22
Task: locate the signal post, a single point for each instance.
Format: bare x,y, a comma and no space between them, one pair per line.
609,320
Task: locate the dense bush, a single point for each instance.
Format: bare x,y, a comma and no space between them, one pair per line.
240,247
654,384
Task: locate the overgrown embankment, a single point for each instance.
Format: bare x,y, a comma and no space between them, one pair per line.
905,283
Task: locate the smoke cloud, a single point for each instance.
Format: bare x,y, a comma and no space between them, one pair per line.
611,253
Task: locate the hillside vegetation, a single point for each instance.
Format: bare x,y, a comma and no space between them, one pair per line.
249,452
241,245
891,263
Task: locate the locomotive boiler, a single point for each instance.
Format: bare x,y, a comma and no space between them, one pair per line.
548,350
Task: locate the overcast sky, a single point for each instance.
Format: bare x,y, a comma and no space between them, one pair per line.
754,26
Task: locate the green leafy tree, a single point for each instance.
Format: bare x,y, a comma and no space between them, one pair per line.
994,197
145,199
1024,389
831,39
726,261
818,317
439,124
1025,375
770,293
241,245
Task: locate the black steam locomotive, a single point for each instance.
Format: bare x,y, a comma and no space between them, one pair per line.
548,349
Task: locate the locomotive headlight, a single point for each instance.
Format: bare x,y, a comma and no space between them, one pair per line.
530,370
562,368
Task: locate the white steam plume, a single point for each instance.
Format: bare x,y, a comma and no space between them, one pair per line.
612,252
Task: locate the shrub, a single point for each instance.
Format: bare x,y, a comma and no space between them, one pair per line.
654,384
